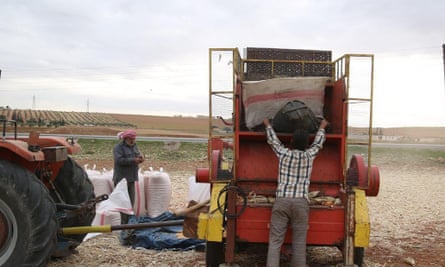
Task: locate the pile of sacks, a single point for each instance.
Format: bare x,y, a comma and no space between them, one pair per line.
152,195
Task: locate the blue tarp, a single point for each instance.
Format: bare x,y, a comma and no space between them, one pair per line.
159,237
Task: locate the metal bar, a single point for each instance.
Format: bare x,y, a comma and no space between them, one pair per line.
210,108
274,181
4,130
221,92
357,143
352,99
348,252
15,130
231,227
109,228
359,55
272,69
67,206
370,118
287,61
443,54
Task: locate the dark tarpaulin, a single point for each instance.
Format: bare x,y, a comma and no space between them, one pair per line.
165,237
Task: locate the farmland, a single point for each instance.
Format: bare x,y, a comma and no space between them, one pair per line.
46,118
105,123
62,122
407,217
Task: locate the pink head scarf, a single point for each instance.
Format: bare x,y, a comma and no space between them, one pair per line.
127,134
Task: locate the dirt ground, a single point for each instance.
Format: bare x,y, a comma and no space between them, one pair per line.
407,223
408,216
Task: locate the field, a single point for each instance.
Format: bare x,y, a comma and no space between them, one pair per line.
75,123
407,218
105,123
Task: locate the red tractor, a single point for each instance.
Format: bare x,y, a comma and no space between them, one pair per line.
42,190
243,169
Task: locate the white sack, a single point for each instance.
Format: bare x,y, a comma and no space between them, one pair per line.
139,197
101,180
158,192
108,211
199,192
119,200
263,99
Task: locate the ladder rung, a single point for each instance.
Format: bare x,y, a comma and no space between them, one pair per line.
357,99
358,143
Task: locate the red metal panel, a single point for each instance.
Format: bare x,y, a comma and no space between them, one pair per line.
253,225
257,161
326,226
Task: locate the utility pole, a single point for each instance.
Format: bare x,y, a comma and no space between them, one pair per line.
443,54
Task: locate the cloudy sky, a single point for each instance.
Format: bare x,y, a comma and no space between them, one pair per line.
151,57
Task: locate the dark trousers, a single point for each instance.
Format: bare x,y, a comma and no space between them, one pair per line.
130,187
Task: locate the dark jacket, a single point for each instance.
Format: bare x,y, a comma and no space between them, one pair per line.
124,163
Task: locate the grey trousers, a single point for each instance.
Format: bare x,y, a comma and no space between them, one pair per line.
293,212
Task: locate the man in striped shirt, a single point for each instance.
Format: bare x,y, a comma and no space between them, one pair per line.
291,205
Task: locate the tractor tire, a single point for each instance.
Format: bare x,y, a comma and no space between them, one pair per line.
74,187
28,224
214,253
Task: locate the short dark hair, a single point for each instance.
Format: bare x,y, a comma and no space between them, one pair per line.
300,139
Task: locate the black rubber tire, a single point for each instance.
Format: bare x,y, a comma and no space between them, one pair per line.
74,186
359,255
28,224
214,253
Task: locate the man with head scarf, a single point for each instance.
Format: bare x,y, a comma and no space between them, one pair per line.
291,206
126,161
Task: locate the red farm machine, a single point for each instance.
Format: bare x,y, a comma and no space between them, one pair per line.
42,189
243,169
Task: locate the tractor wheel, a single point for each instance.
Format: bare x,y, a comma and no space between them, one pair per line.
75,188
214,253
28,224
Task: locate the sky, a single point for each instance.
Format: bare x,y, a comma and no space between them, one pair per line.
151,57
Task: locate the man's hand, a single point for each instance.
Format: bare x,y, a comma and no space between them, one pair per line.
266,122
139,159
323,124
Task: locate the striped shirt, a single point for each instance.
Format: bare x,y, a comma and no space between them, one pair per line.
295,166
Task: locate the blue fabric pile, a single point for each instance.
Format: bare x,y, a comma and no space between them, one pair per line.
165,237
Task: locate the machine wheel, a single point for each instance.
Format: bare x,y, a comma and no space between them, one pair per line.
214,253
75,188
359,254
28,224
